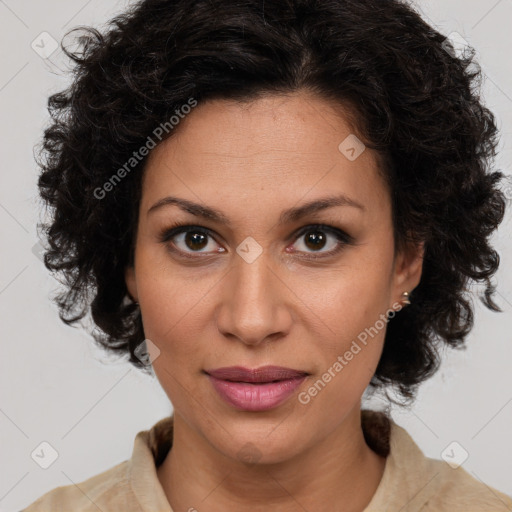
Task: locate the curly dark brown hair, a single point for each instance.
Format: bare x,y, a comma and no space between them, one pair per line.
414,100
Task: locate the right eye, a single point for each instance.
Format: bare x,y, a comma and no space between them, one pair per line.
193,239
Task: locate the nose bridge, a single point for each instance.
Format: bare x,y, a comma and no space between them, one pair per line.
252,279
250,309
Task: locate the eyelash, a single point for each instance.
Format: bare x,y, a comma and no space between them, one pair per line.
177,228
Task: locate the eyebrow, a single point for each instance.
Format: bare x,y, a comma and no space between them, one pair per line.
287,216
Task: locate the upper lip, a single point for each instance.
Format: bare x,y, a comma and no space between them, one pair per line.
261,374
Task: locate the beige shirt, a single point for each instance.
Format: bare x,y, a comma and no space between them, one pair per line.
411,482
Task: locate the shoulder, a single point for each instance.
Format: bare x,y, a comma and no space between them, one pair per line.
413,482
130,486
97,492
457,490
433,484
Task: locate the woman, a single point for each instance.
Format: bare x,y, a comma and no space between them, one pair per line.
282,203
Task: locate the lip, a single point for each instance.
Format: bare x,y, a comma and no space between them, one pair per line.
256,389
261,374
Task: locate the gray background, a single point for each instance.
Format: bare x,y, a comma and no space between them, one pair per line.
57,387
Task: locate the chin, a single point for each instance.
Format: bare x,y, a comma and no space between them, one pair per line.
268,443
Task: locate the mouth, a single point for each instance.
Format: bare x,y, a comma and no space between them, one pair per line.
256,389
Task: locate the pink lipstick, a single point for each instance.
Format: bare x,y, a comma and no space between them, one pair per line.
258,389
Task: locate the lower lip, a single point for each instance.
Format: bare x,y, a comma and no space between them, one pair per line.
256,397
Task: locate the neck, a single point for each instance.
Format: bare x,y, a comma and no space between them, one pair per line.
340,469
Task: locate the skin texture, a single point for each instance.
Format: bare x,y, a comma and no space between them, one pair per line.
252,161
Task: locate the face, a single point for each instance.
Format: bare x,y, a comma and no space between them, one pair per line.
257,285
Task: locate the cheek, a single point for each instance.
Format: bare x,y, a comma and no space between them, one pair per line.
349,360
172,300
175,311
173,325
352,308
348,300
175,322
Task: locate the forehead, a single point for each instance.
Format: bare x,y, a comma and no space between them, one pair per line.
285,147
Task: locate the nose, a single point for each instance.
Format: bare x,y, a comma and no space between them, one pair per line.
255,303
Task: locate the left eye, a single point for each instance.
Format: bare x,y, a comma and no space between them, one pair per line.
315,238
195,238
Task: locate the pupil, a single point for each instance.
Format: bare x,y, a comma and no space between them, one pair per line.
194,239
317,239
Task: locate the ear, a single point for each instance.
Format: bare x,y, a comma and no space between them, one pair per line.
407,269
131,282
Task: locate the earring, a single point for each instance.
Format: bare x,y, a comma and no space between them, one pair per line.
405,300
